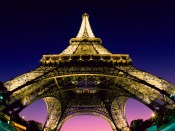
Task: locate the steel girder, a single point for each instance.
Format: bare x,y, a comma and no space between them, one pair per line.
149,78
27,78
54,83
29,94
118,113
54,113
87,79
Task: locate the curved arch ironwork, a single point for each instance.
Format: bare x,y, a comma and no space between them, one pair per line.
78,113
86,75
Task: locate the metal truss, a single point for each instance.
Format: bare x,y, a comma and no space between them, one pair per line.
149,78
87,79
54,113
118,113
117,84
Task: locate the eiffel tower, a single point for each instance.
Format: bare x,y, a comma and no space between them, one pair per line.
87,79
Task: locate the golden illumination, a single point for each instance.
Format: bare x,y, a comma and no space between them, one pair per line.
153,115
85,29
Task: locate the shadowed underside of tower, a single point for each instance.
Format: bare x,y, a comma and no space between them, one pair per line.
88,79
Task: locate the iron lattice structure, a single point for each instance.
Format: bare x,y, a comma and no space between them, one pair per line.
87,79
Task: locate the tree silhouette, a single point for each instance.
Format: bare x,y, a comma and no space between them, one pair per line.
136,125
30,125
140,125
34,126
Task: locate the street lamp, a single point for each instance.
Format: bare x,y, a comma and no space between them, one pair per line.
1,97
23,117
153,115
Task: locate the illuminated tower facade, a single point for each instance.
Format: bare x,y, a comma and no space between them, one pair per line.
87,79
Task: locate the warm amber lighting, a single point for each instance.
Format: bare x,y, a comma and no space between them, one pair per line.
85,29
153,115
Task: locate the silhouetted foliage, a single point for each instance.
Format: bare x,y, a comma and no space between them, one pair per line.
30,125
136,125
20,121
34,126
147,123
160,120
140,125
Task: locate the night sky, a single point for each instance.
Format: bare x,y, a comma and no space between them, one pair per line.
144,30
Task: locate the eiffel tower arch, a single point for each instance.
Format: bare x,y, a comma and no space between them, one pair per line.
87,79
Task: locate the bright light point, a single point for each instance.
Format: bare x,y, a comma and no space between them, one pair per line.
152,115
137,112
23,117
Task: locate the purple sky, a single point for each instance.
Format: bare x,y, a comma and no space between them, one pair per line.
144,30
92,123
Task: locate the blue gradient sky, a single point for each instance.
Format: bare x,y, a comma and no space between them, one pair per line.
144,30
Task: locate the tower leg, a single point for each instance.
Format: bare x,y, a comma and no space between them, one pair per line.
118,113
54,112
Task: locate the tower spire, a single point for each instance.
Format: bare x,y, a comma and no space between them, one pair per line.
85,29
85,41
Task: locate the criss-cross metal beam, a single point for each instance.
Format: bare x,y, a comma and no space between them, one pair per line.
87,79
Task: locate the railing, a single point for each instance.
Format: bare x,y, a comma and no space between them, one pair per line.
115,58
16,125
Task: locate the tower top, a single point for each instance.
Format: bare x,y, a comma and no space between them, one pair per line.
85,47
85,42
85,29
